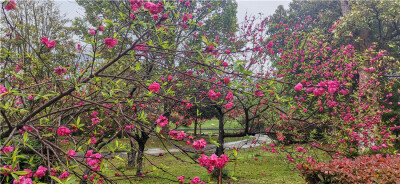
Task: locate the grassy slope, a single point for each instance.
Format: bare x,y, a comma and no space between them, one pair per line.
213,123
153,142
247,170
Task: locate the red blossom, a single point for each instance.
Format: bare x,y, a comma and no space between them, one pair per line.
110,42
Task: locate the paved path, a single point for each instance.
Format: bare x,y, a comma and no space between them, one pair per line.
243,144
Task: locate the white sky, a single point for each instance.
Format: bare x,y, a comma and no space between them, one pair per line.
252,7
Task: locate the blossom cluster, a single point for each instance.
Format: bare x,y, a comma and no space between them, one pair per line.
93,160
110,42
3,90
177,135
49,44
199,144
59,70
213,161
155,87
162,121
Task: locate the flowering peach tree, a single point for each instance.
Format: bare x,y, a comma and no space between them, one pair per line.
136,71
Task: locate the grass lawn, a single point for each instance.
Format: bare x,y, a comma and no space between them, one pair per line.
153,142
213,123
253,166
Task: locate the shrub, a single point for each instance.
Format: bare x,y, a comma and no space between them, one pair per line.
363,169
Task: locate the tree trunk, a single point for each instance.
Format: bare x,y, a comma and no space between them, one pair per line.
139,169
132,153
220,177
141,142
247,121
344,5
369,90
220,149
195,126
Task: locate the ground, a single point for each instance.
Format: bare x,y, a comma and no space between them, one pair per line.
252,166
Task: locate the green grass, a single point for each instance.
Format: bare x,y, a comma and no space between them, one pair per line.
213,123
153,142
246,170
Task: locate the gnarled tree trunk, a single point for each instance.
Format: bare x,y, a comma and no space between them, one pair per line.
141,143
132,153
221,132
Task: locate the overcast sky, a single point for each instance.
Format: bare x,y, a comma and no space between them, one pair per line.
252,7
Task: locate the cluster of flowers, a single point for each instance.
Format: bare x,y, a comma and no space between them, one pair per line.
93,32
7,149
177,135
26,128
273,150
141,46
93,160
333,87
110,42
155,87
213,161
154,9
195,180
199,144
49,44
2,91
59,70
162,121
136,4
95,121
259,93
129,127
186,17
11,5
186,103
63,131
212,95
71,154
229,97
27,178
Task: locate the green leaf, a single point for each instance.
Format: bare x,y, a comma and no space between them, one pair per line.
7,85
20,94
21,173
14,156
15,176
70,180
4,169
158,129
107,21
235,153
55,178
119,158
215,143
25,137
204,39
137,66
